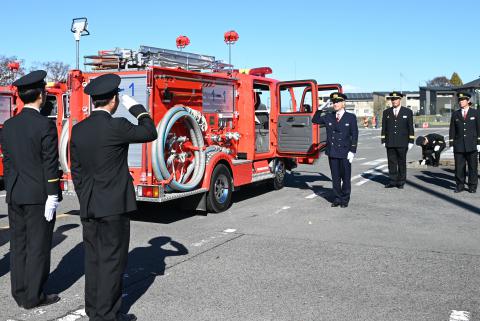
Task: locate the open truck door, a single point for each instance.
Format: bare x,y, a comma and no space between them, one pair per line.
298,102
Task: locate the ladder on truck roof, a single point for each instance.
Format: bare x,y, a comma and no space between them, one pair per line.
121,59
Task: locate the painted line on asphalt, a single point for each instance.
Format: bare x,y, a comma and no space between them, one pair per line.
371,175
370,172
75,315
284,208
459,315
6,227
375,162
359,159
311,196
208,240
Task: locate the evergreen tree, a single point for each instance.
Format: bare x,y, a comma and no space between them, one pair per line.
456,80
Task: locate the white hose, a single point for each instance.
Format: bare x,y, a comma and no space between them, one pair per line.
63,147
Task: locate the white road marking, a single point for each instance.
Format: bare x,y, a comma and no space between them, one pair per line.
358,159
282,209
375,162
370,176
229,230
311,196
459,315
74,316
370,172
3,195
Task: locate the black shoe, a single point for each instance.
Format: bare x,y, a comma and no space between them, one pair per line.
49,299
400,186
335,204
344,205
390,185
472,190
458,189
126,317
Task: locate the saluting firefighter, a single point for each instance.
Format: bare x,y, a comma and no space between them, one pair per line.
397,136
342,137
30,159
464,137
99,152
432,145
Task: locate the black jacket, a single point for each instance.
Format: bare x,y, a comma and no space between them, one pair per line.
99,152
464,134
30,158
397,131
342,137
434,140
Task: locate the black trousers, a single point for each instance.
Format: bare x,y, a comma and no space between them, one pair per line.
106,250
397,165
432,157
341,170
30,245
469,159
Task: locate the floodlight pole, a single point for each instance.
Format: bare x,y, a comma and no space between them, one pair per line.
78,53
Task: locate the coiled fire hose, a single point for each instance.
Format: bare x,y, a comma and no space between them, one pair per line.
160,165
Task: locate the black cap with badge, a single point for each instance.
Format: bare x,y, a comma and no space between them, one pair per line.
464,95
103,87
336,97
395,95
32,80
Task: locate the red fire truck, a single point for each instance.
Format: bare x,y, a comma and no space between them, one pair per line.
56,106
218,128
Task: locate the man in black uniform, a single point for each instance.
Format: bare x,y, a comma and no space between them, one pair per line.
342,138
397,136
99,151
432,145
30,152
464,137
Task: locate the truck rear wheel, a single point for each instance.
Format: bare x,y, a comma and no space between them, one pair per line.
221,188
279,170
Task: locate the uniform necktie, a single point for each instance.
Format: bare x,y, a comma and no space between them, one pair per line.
395,112
338,117
464,115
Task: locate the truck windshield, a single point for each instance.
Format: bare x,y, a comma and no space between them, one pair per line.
5,108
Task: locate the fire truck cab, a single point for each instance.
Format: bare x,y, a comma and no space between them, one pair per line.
217,130
56,106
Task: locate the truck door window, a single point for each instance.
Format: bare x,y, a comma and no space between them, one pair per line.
262,103
296,99
50,107
66,106
5,108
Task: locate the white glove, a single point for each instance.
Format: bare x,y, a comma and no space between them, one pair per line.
383,144
350,156
410,145
128,101
437,148
478,148
50,207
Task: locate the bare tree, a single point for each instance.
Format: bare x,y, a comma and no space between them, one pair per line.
6,74
441,81
56,70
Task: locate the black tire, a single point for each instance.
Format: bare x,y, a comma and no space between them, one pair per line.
219,196
280,171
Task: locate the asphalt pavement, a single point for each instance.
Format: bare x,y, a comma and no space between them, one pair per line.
409,254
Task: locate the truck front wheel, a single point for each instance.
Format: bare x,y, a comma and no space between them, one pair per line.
279,170
221,188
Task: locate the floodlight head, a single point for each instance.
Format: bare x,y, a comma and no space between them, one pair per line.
79,27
